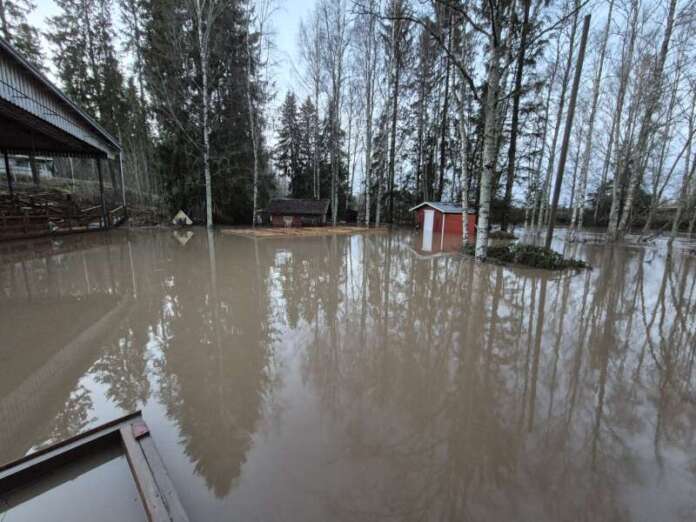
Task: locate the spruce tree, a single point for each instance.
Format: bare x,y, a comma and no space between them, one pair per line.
288,148
16,29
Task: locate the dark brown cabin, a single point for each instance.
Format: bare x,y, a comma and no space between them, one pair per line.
288,212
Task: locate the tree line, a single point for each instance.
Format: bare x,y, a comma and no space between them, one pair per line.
397,101
465,101
179,83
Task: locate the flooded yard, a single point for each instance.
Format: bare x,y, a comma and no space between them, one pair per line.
362,377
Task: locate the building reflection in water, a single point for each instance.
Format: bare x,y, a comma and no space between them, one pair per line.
356,377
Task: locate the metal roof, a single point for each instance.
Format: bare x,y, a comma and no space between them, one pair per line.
444,207
37,117
308,207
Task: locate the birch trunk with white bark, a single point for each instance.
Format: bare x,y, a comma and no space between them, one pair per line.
203,57
489,148
578,212
639,152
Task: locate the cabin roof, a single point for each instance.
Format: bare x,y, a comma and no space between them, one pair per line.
291,206
444,207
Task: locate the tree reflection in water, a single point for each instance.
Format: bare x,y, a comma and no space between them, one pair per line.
482,392
381,384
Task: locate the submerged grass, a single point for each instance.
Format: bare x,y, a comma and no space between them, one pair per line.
530,256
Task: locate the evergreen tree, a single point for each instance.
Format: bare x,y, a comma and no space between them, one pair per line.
288,149
16,30
307,136
86,60
173,79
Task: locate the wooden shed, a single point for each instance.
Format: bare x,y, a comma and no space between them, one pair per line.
287,212
443,218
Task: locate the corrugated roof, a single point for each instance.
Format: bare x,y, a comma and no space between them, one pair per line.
444,207
29,99
307,207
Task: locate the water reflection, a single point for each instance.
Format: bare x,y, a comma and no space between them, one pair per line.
358,378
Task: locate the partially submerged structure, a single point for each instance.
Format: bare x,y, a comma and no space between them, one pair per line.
444,218
69,470
288,212
37,119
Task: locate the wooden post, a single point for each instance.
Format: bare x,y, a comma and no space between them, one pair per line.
8,174
32,163
123,184
566,132
105,222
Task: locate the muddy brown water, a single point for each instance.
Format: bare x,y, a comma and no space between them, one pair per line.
365,377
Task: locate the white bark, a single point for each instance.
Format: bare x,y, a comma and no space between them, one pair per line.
626,66
489,149
559,117
203,40
368,70
334,18
639,152
463,147
252,128
578,212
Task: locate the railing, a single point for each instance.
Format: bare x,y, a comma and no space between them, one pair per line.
44,219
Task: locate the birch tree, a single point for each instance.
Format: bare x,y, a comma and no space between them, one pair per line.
637,156
367,65
578,210
311,42
205,12
334,19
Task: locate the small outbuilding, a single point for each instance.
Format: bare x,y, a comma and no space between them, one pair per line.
288,212
443,218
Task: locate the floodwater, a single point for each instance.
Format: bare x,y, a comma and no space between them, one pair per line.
363,377
94,487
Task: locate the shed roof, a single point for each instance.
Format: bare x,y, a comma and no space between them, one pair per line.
445,208
289,206
37,117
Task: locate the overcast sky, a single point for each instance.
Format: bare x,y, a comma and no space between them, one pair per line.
285,23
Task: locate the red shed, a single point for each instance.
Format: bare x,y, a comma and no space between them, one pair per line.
444,218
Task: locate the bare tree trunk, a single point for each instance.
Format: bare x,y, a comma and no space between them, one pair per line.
370,65
566,132
463,138
535,219
517,94
626,65
489,147
559,118
378,202
203,57
252,128
659,178
637,157
445,109
580,201
396,78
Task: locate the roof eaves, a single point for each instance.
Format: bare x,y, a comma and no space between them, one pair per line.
57,92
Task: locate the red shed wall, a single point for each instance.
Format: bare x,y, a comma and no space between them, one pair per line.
453,222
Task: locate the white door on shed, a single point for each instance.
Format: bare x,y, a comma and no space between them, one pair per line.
428,220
